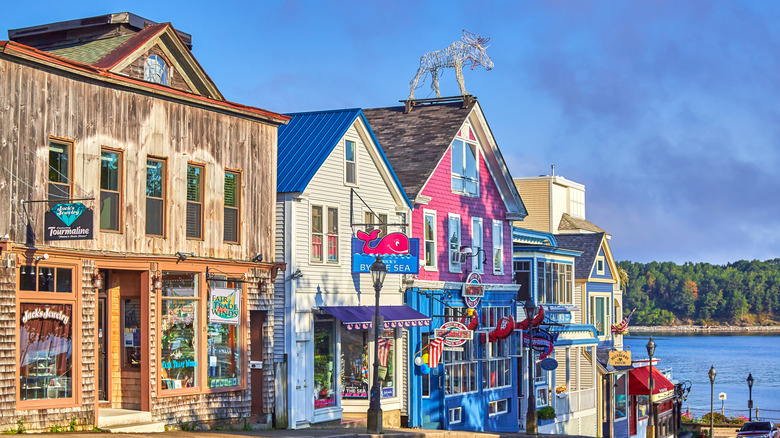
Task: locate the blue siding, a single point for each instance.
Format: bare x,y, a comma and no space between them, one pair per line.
607,271
599,287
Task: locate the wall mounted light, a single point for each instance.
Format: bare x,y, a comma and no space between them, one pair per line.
467,251
45,256
157,281
296,275
97,280
257,258
183,255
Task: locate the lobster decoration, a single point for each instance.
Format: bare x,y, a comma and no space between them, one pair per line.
507,325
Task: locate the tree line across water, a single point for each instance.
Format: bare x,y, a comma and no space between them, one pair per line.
665,293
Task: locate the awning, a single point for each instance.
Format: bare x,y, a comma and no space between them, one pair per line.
639,379
359,317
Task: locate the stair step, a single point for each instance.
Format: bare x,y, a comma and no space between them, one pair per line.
120,417
151,427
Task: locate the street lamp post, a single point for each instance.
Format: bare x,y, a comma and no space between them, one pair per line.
750,396
374,419
712,373
530,417
650,420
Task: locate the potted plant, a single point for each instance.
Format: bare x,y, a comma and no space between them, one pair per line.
545,415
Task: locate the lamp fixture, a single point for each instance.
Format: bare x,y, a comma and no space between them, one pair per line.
257,258
97,280
183,255
45,256
467,251
157,281
296,275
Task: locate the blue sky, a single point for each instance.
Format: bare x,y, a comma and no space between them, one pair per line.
667,111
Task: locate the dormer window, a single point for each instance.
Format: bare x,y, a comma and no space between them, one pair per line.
465,173
155,70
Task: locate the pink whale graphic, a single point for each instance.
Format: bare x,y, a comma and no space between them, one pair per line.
393,243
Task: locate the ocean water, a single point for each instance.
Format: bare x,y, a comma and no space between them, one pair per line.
734,355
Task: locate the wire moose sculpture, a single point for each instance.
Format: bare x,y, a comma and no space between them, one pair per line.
470,50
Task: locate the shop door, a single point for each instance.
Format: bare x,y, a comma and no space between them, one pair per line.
303,391
433,405
102,348
128,327
632,415
257,319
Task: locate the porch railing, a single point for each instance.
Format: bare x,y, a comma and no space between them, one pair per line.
574,401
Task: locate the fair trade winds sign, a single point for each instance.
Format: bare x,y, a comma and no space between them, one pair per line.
72,221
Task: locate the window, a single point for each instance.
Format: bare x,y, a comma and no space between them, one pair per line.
477,245
460,374
232,207
110,189
599,314
430,240
179,330
376,222
155,196
316,233
333,235
387,374
155,70
453,230
455,415
465,177
45,351
497,367
554,282
498,407
498,247
354,360
324,362
523,279
600,265
223,347
540,383
131,333
620,396
45,279
350,162
577,203
195,201
60,187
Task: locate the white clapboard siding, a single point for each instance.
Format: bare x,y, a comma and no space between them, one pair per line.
279,292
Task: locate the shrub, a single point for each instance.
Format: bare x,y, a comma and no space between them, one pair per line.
739,419
546,413
717,417
687,417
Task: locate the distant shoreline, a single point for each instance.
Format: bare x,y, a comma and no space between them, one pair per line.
701,328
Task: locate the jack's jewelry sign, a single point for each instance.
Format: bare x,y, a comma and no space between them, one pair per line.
399,253
68,222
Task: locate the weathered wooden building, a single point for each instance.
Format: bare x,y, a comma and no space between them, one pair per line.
137,215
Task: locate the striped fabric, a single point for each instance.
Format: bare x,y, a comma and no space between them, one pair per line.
384,350
435,347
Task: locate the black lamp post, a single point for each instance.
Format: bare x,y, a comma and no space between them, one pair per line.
650,420
712,373
530,417
750,396
374,419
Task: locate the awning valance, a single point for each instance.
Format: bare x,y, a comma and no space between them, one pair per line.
359,317
639,379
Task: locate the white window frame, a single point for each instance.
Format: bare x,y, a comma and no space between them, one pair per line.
454,254
455,415
325,234
496,354
434,255
600,269
465,143
353,162
498,411
477,256
606,314
498,246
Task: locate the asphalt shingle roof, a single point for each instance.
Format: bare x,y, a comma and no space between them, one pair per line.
90,52
571,223
589,244
415,142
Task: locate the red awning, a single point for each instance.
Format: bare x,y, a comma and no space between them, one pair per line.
639,381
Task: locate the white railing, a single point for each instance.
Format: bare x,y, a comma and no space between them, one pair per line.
574,401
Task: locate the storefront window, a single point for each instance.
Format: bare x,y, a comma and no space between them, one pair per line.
324,355
178,327
354,364
641,402
45,351
131,330
386,373
620,397
224,354
45,279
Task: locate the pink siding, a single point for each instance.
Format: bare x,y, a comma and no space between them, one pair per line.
487,206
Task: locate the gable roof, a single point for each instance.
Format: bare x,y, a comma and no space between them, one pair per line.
415,143
307,141
569,222
90,52
589,244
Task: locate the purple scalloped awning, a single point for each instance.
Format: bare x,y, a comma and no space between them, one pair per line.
359,317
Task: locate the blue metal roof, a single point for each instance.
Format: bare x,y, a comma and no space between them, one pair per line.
307,141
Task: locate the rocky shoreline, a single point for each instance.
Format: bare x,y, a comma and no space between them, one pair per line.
701,328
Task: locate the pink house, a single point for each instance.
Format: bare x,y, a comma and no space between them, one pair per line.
463,204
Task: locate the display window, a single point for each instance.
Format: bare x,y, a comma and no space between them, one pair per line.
45,351
131,333
223,342
387,374
324,363
621,392
178,330
354,364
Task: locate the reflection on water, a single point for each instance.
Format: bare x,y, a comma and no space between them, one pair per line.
734,355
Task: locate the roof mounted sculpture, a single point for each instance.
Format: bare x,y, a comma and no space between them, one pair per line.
469,50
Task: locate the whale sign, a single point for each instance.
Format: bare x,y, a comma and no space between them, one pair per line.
72,221
399,253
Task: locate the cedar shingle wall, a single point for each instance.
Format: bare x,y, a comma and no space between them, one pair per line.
7,341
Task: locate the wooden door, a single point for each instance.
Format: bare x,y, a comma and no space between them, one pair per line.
127,343
257,319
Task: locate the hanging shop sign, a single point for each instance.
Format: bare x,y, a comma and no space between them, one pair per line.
548,364
620,358
473,290
543,341
225,305
68,222
399,253
455,334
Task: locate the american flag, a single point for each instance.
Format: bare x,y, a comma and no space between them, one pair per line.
384,350
434,351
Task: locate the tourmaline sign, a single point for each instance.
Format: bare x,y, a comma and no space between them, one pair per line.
72,221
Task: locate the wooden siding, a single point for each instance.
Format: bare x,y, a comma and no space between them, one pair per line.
175,79
36,103
536,197
580,302
279,284
586,371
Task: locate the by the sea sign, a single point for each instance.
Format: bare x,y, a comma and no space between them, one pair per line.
225,305
73,221
400,254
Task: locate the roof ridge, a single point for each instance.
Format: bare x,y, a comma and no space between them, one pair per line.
304,113
135,42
